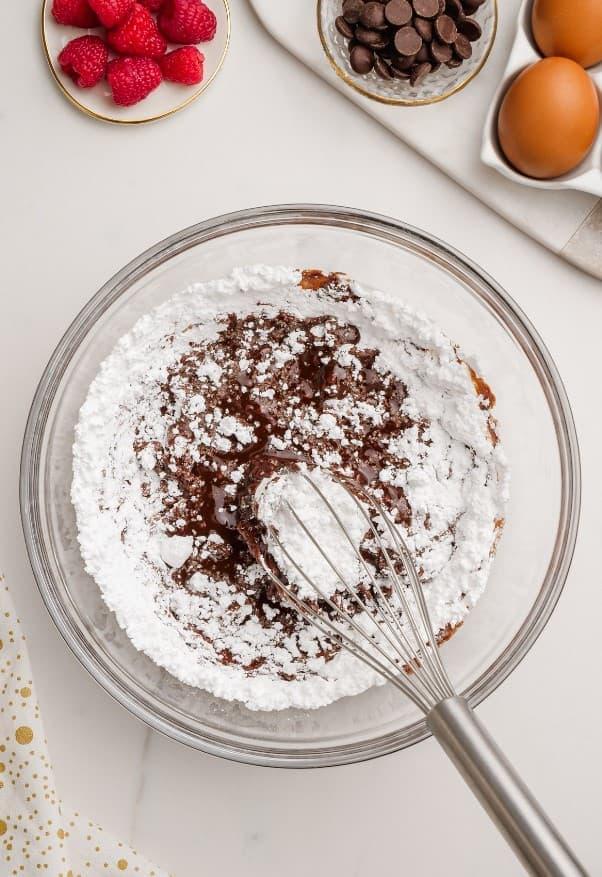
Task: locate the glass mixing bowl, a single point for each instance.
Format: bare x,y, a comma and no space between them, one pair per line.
536,427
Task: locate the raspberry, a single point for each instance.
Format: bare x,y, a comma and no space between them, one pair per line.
137,35
111,12
132,79
153,5
85,59
184,65
76,13
187,21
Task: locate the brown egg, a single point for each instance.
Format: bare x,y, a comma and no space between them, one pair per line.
570,28
549,118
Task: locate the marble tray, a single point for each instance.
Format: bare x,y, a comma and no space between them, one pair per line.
567,222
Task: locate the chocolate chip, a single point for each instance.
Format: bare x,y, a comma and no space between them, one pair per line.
402,63
385,40
470,28
426,8
398,12
424,28
382,68
373,38
445,28
361,59
454,8
441,52
352,10
407,41
387,51
419,72
408,38
343,27
372,15
462,47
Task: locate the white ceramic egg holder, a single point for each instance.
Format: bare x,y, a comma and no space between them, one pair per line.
587,176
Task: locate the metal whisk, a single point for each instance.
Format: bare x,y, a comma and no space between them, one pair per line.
370,625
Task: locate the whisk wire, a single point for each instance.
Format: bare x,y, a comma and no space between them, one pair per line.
411,656
426,644
403,682
329,629
421,649
426,691
405,654
354,593
440,685
431,650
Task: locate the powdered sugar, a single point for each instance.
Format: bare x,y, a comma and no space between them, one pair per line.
297,555
154,416
175,550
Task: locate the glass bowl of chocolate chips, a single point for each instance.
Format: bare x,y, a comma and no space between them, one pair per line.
407,52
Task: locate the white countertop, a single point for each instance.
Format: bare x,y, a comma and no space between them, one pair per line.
79,200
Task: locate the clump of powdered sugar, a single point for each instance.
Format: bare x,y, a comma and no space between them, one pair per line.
156,414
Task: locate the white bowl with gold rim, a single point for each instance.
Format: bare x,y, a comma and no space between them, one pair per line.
433,88
164,101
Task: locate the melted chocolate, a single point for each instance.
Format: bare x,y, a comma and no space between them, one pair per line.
282,406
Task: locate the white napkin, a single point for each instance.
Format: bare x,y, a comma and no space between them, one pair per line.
39,834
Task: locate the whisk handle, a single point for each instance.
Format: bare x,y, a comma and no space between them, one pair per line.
500,790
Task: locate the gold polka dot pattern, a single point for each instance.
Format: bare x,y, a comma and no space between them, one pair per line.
39,834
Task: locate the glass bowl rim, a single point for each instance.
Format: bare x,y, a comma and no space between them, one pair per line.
514,322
